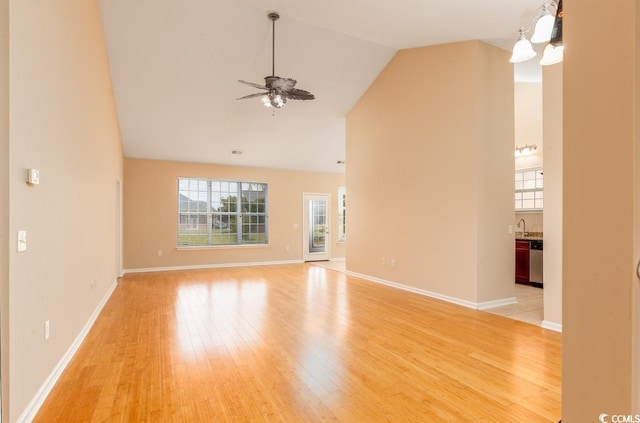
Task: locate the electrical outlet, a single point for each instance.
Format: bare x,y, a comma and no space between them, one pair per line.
46,330
384,261
510,229
160,253
33,176
393,262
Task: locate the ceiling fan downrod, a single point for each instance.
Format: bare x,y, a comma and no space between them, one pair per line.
274,16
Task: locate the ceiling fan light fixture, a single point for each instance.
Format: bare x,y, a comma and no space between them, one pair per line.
272,99
279,101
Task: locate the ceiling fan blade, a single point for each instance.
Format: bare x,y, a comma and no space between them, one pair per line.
297,94
251,84
251,96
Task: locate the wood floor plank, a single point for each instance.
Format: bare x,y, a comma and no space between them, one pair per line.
301,343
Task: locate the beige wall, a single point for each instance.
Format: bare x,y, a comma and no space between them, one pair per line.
63,123
636,236
494,176
150,214
598,164
4,205
528,122
528,113
430,137
552,100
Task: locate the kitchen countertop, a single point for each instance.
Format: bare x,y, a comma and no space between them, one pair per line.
533,236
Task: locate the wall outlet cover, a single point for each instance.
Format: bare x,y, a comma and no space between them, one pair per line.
33,176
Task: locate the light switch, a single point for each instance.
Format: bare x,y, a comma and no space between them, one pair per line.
22,241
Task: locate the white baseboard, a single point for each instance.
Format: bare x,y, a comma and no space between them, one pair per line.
469,304
430,294
36,402
211,266
338,259
497,303
551,326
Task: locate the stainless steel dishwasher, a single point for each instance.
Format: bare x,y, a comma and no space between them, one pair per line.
535,263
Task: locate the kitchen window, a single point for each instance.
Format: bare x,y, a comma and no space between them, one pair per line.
529,189
216,212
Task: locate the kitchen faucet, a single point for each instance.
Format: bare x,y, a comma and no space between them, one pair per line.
524,227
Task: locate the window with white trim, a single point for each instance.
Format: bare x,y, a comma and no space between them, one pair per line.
215,212
342,214
529,189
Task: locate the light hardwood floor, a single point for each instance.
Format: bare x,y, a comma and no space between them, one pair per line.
301,343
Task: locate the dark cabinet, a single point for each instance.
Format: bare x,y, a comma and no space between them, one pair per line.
522,262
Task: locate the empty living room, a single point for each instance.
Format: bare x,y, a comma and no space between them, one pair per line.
225,211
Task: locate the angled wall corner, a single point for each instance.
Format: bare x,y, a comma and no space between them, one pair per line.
432,135
552,224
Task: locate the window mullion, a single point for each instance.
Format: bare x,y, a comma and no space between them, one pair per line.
209,216
239,213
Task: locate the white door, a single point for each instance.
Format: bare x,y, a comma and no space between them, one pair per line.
316,236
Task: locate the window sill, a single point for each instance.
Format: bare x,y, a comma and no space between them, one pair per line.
220,247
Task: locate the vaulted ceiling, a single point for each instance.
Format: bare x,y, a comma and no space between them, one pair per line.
175,66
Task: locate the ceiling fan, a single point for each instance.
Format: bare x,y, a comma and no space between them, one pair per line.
277,90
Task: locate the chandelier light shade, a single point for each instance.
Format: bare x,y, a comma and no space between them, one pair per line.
522,50
552,55
544,26
547,29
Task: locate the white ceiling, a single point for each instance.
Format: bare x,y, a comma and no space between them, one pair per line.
175,66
